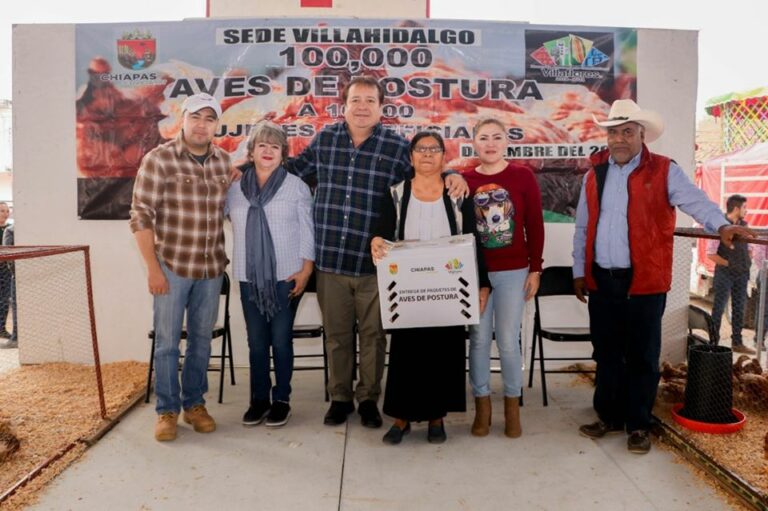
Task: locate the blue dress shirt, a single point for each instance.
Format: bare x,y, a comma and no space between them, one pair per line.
612,242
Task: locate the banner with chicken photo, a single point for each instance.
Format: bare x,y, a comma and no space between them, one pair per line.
543,82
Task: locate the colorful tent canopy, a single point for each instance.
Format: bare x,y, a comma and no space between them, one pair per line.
714,106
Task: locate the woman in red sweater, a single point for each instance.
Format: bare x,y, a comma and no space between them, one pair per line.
507,204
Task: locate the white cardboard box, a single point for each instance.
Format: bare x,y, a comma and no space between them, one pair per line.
429,283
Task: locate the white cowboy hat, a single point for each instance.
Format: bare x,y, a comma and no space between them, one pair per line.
626,110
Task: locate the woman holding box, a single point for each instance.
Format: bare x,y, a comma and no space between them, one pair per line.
426,365
507,204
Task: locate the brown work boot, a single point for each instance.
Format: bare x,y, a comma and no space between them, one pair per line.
512,426
165,427
199,418
482,424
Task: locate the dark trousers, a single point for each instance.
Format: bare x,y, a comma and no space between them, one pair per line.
6,291
275,333
626,337
757,313
734,285
14,334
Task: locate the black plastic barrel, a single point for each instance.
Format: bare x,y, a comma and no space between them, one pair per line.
709,390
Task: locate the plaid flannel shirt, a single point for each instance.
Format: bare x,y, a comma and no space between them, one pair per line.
351,182
182,201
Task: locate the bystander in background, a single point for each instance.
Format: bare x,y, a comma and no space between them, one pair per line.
731,275
7,284
13,341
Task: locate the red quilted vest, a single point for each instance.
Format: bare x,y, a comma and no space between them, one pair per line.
650,217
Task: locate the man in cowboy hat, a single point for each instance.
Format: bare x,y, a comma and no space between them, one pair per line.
622,256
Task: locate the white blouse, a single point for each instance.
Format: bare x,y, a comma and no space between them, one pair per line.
426,220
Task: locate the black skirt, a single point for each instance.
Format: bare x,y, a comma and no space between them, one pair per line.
426,376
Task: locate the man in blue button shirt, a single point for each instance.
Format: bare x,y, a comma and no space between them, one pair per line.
622,256
354,163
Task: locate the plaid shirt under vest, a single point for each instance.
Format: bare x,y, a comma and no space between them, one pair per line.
351,182
183,202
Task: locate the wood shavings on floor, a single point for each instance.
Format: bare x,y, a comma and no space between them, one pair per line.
740,452
50,406
581,378
703,478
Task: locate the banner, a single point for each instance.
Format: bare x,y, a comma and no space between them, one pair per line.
543,82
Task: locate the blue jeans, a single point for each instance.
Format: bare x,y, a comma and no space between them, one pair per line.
733,285
200,299
505,306
277,333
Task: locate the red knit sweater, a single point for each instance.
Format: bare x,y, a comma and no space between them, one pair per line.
509,217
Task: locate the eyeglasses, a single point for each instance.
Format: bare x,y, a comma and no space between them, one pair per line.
434,149
484,198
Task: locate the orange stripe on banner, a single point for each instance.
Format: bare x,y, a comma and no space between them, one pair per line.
317,3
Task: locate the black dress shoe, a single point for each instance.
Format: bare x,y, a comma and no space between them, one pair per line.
337,413
369,414
436,434
639,442
599,429
395,435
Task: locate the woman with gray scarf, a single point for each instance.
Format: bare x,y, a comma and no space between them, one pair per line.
274,252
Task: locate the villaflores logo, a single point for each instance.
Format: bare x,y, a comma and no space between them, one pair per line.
454,265
554,57
136,50
393,269
569,51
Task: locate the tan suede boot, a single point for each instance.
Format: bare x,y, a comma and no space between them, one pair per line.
165,428
512,426
201,421
482,424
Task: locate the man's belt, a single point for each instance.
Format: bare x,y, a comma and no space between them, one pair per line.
616,273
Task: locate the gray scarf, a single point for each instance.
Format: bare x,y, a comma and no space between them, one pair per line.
260,264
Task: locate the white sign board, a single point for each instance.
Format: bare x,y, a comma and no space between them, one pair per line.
429,283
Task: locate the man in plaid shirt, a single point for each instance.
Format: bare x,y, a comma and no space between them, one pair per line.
354,163
177,220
